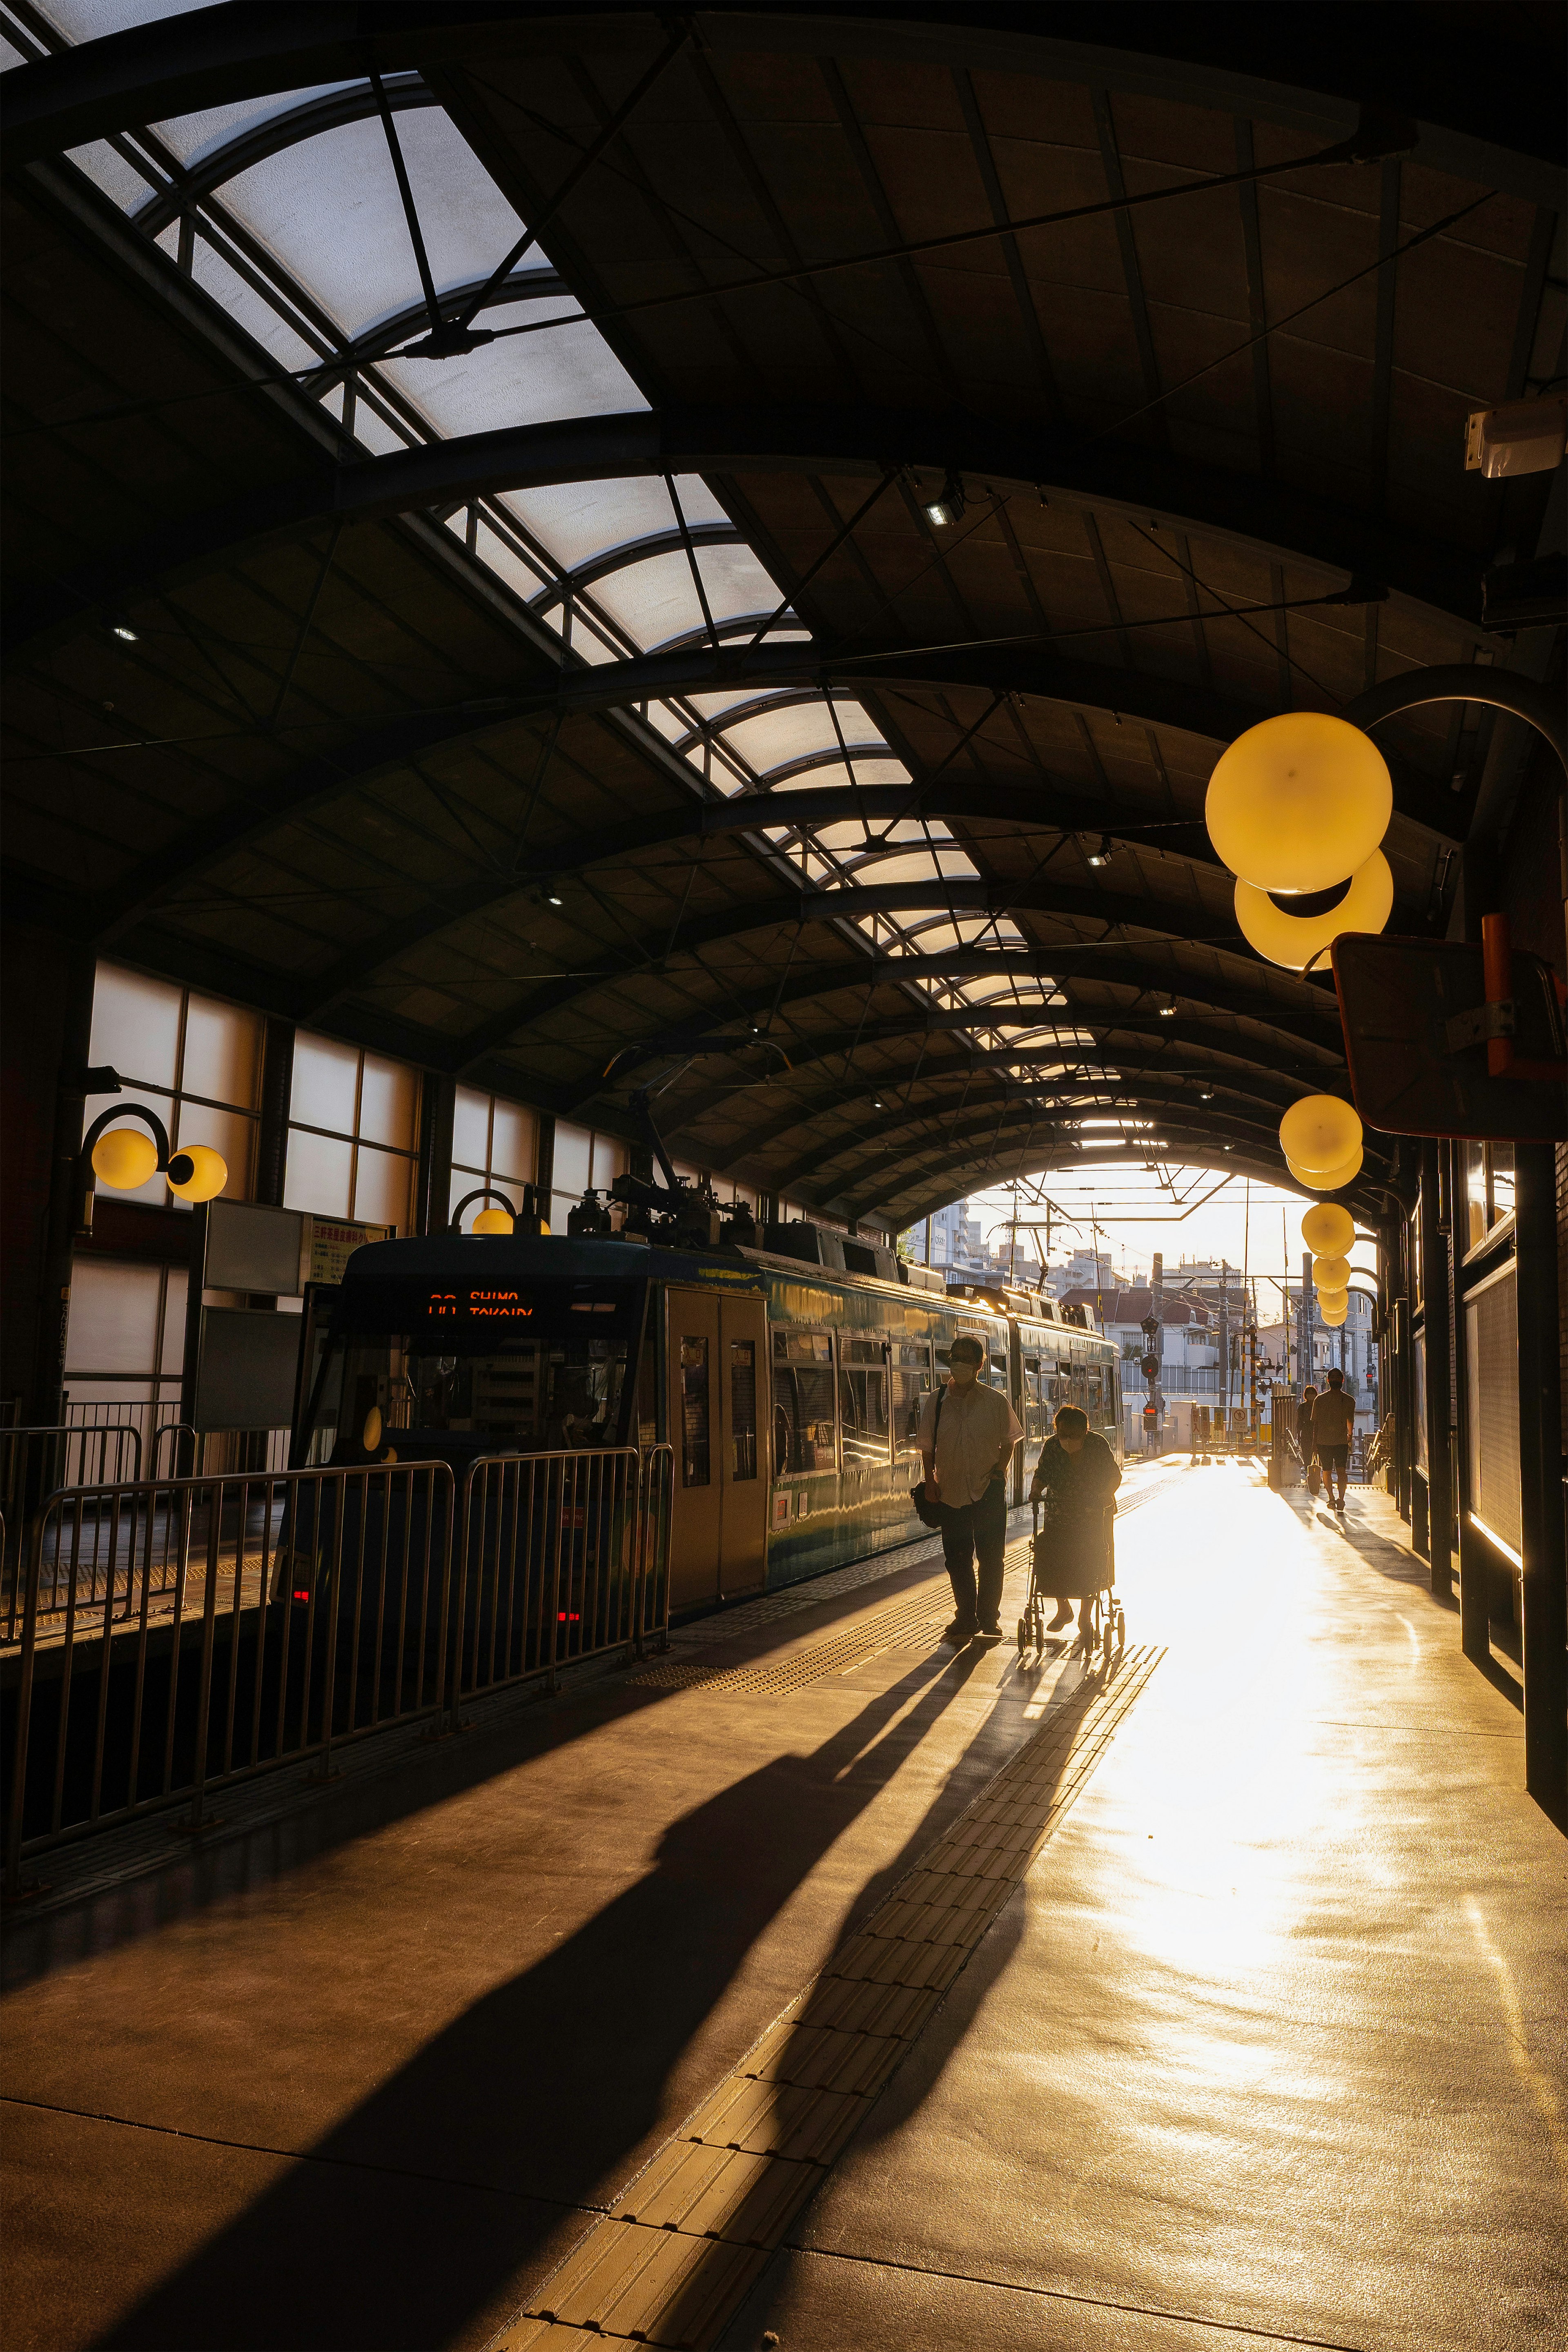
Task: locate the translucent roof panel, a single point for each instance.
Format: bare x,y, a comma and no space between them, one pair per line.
528,381
92,20
329,208
577,521
927,866
833,775
652,600
774,736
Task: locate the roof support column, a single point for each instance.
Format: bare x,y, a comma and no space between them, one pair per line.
1546,1629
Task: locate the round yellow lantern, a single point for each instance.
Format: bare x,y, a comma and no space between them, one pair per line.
1319,1132
1295,941
1331,1273
1328,1230
1299,802
1333,1315
494,1221
197,1173
124,1158
1332,1180
1327,1299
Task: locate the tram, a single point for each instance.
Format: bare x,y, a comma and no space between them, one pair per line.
790,1390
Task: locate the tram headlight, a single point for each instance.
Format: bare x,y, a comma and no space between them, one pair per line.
370,1435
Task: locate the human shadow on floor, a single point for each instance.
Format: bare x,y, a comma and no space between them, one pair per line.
403,2225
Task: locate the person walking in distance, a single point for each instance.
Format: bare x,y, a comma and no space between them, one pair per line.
1334,1424
964,1455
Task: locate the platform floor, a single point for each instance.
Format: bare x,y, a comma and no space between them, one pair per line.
1253,2029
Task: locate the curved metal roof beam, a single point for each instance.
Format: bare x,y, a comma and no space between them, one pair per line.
1142,1084
957,802
806,1053
289,127
636,550
1266,517
879,1152
977,899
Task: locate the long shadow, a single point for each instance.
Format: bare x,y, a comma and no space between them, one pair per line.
537,2097
32,1947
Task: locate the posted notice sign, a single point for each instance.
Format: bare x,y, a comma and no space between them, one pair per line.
331,1242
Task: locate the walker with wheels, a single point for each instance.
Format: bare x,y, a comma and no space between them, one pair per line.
1074,1559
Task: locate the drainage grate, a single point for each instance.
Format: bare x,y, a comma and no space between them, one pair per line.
681,2248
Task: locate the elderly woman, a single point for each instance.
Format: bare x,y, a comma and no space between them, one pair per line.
1076,1478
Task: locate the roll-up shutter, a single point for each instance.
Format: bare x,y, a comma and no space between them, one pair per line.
1491,1357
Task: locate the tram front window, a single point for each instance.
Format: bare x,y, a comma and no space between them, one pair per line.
514,1398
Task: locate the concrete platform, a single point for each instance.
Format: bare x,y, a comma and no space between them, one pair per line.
1265,2044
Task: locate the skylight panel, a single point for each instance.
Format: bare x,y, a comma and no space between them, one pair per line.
774,736
329,208
651,600
579,520
193,137
927,866
836,777
258,317
531,380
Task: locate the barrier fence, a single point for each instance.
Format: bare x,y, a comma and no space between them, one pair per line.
173,1636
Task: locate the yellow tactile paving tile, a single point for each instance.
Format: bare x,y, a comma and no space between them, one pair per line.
720,2192
688,2237
777,2119
823,2058
658,2286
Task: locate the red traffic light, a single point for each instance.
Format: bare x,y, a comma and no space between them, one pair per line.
1149,1367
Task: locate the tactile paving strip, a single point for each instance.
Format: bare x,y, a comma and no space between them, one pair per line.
898,1624
686,2241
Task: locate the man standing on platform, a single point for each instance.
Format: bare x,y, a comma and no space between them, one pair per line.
1333,1420
964,1450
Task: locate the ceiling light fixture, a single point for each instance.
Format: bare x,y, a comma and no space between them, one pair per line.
124,630
1166,1012
1101,856
950,508
553,898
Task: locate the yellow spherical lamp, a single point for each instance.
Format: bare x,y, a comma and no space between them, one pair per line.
1333,1315
1327,1299
1328,1230
1299,802
494,1221
1293,942
1319,1132
196,1172
1331,1273
1332,1180
124,1158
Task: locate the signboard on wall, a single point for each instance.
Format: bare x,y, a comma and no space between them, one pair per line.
246,1370
331,1242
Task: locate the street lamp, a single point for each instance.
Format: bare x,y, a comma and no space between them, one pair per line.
123,1158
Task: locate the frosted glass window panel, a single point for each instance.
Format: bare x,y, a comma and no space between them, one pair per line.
326,1081
573,1159
505,561
226,1131
668,722
92,20
318,1172
834,775
560,1207
388,1103
922,868
214,276
223,1054
176,1286
472,1130
514,1143
611,1158
736,582
565,371
135,1025
114,1325
329,208
381,1184
713,706
156,1192
193,137
653,599
774,736
374,433
591,646
577,521
121,183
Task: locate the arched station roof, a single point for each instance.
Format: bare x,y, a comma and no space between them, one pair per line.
565,543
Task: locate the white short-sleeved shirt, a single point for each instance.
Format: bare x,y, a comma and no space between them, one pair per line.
976,1422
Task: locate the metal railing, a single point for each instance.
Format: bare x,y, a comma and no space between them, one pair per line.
34,1460
173,1636
561,1555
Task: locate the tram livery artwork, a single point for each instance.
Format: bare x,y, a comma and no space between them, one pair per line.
790,1390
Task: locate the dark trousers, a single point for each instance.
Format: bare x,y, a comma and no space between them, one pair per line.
969,1529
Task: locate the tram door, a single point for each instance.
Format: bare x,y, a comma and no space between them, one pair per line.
718,1365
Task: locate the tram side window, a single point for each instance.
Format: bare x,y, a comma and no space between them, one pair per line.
805,1426
911,1385
863,1402
695,1468
742,1409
